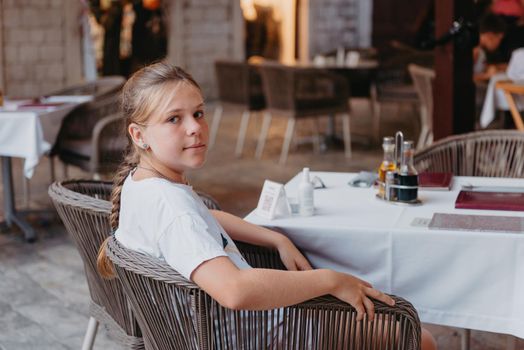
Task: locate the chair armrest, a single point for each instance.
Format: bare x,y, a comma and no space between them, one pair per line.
402,316
260,257
324,320
104,130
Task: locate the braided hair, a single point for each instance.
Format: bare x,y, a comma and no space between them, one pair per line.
141,96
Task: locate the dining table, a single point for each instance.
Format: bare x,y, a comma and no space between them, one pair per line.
456,276
28,130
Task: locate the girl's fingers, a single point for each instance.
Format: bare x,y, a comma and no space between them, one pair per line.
360,311
376,294
304,265
370,308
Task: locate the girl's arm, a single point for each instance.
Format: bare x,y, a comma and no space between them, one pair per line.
263,289
241,230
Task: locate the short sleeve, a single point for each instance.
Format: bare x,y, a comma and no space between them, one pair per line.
186,243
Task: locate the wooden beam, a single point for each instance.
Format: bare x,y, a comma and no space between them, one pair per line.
454,93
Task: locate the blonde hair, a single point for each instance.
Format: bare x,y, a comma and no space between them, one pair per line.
142,95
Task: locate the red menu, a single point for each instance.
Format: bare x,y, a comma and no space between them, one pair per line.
435,181
490,200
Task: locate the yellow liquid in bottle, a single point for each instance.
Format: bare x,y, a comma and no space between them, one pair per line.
382,170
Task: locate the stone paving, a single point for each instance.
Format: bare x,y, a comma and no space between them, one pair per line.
43,293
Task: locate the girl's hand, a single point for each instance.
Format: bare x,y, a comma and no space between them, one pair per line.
357,293
291,257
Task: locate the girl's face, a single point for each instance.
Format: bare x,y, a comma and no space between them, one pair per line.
177,135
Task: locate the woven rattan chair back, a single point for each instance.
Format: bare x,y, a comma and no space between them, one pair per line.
298,92
423,80
84,208
247,88
239,86
174,313
92,137
493,153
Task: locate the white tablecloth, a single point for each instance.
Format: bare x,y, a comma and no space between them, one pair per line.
30,133
457,278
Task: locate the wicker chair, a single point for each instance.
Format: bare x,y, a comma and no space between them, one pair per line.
88,136
92,139
174,313
298,93
84,208
239,85
423,81
494,153
392,82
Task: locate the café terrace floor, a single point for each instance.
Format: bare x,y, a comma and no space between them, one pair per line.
43,292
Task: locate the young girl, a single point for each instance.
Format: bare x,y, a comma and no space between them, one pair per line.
157,212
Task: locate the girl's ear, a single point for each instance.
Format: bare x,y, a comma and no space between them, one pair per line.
136,134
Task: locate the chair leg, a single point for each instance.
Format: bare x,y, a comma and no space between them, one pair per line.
52,168
465,340
244,122
511,342
263,134
316,136
287,140
347,134
90,336
214,125
375,112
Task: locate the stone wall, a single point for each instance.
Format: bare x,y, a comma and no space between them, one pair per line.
336,23
36,45
202,31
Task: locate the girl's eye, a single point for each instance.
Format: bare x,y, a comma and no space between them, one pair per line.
175,119
198,114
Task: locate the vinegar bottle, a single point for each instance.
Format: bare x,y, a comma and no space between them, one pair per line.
388,164
305,195
408,175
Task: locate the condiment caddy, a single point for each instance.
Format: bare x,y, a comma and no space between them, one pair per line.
398,178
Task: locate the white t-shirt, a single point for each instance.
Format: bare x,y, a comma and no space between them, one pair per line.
169,221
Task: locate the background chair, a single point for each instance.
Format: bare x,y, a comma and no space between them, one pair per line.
92,137
174,313
89,136
392,81
494,153
239,85
84,208
510,90
423,80
298,93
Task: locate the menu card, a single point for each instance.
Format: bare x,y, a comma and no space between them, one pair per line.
486,223
435,181
513,201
